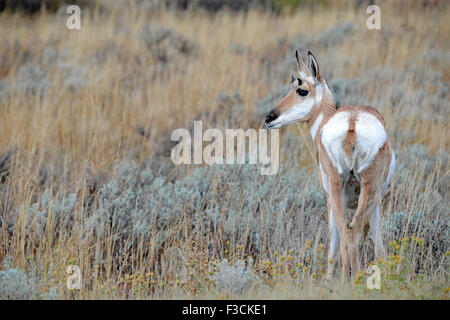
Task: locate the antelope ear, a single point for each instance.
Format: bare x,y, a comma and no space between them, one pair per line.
313,66
300,64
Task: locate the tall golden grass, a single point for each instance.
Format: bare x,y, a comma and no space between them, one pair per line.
69,130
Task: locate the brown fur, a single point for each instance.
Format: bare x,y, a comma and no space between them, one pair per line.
370,197
372,178
292,98
351,134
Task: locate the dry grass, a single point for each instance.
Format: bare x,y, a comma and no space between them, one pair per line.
58,134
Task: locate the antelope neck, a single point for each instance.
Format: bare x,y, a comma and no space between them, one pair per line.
327,106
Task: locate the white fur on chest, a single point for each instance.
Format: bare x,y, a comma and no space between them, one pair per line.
370,137
333,135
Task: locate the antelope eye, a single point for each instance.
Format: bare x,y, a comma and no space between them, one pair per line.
302,92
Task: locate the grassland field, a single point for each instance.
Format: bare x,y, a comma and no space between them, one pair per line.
86,177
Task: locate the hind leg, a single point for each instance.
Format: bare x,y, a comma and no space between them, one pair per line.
376,229
367,204
374,179
354,231
336,207
334,245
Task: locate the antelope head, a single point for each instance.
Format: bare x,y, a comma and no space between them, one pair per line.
304,96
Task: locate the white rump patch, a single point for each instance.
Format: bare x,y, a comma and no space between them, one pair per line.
370,137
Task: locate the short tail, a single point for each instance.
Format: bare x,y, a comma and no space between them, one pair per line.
349,147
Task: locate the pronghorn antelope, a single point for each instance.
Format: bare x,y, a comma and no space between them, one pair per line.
354,155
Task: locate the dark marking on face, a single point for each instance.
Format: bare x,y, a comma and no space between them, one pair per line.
272,115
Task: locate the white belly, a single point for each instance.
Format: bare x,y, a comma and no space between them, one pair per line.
370,137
